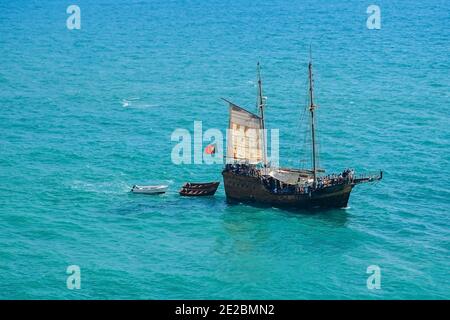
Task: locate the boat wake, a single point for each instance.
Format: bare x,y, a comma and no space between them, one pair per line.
106,187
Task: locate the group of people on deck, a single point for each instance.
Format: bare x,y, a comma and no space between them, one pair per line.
333,179
243,169
305,188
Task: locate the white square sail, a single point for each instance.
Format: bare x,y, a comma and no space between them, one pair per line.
244,141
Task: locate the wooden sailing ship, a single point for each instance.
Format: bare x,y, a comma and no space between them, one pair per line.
248,177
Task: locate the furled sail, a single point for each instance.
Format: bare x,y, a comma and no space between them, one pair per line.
244,141
292,177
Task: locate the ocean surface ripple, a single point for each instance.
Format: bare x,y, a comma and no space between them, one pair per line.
85,114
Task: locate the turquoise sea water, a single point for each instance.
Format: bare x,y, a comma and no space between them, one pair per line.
71,148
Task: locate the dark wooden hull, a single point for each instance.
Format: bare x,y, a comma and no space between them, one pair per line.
199,189
251,189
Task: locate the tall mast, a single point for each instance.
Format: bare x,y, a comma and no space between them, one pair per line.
261,112
311,110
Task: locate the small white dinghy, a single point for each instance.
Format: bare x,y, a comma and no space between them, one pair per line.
149,189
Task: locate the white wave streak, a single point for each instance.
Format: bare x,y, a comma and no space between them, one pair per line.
137,103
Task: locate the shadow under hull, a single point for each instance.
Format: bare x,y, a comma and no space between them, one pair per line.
251,189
